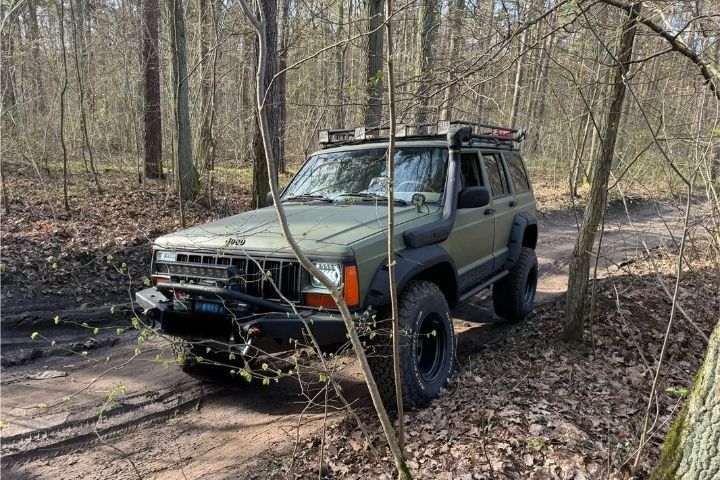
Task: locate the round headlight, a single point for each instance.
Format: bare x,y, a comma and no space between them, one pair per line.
331,270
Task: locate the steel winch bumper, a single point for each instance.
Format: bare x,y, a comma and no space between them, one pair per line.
246,319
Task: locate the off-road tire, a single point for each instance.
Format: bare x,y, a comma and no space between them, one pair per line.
207,369
514,295
422,310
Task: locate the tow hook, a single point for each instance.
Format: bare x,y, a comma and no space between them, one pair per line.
152,315
242,348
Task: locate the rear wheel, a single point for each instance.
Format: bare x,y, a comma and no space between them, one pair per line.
514,295
427,347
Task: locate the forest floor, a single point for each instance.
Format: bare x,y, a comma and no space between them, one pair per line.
522,403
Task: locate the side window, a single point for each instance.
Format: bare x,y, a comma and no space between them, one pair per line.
469,170
517,171
496,175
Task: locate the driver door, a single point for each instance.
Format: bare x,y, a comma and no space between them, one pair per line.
471,241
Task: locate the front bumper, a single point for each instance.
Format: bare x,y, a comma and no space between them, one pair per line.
245,321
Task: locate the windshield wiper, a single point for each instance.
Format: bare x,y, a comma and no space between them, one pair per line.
309,198
373,196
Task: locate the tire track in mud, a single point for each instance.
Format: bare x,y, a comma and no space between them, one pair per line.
136,411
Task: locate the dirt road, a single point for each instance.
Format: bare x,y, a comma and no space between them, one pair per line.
164,425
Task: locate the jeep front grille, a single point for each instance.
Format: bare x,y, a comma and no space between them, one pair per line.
241,273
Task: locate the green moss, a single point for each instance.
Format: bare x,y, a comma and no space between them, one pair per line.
672,450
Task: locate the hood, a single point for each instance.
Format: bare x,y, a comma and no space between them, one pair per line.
318,228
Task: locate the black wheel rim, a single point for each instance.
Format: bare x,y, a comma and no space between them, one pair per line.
430,347
530,286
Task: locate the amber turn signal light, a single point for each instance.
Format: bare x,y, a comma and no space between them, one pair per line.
351,290
321,300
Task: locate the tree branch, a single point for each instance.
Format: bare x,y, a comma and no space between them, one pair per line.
707,70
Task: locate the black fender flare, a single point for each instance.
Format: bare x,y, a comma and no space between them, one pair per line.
520,223
410,263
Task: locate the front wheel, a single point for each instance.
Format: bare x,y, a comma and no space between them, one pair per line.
514,295
427,347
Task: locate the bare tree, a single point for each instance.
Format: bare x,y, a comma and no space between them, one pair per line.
580,260
394,314
340,51
7,75
457,10
63,91
205,142
537,103
271,100
428,20
80,49
152,112
186,173
33,36
519,79
374,64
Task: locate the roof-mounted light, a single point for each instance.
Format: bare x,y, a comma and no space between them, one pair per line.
443,127
323,136
501,132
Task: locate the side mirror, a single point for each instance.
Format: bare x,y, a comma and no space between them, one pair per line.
473,197
269,200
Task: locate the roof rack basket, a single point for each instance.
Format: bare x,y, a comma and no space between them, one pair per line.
480,131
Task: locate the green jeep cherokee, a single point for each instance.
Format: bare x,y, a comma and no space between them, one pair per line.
464,221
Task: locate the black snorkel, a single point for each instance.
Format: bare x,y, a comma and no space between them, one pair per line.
439,231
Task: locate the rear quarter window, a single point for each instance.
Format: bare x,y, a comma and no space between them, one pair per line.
517,171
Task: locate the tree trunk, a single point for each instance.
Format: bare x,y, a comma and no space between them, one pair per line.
454,49
187,175
537,105
340,67
205,143
63,91
580,259
715,160
374,64
271,104
7,73
488,19
692,446
33,34
394,314
281,80
424,61
517,85
79,55
152,113
261,181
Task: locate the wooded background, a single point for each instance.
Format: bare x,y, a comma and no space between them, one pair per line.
119,84
158,97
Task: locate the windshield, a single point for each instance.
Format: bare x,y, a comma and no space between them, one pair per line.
362,174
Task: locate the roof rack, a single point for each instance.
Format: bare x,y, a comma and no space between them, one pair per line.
480,131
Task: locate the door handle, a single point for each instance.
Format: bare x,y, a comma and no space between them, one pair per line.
513,203
489,211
